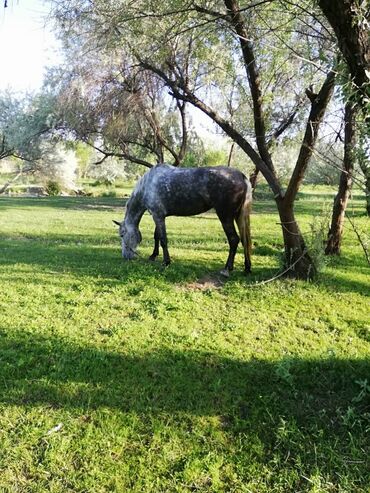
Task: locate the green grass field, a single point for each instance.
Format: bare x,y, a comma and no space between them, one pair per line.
125,377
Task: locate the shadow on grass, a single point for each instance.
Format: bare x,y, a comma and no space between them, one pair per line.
342,284
307,408
85,255
98,255
58,372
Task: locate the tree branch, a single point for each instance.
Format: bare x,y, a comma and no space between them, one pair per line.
184,128
319,104
219,15
120,155
250,64
350,22
284,125
6,185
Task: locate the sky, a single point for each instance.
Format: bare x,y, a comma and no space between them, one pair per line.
27,46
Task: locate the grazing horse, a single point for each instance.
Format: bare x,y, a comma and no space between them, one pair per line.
168,191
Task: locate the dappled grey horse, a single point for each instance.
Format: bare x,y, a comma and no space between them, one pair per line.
168,191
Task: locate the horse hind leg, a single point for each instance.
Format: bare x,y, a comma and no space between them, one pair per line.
233,239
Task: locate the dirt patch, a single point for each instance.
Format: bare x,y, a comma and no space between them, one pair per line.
209,281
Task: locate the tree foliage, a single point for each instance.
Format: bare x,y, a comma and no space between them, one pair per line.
23,122
119,110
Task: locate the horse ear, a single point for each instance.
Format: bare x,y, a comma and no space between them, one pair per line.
116,222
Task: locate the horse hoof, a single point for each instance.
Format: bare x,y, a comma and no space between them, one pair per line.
225,273
152,259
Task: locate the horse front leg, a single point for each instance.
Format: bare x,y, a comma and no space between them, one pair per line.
155,253
162,235
233,239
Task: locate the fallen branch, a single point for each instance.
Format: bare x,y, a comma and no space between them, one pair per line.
6,185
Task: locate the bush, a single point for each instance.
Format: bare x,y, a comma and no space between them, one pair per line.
53,187
109,193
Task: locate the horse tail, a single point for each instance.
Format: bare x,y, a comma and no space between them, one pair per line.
243,222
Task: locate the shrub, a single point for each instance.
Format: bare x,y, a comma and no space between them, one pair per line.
53,187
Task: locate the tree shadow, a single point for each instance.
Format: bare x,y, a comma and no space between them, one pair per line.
57,372
89,255
345,284
290,406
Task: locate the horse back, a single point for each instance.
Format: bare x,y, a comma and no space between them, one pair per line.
191,191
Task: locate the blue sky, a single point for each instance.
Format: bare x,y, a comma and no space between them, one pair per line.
26,44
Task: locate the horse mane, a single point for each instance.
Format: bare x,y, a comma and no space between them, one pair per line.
139,188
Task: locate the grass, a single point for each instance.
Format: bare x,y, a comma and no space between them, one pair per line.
119,376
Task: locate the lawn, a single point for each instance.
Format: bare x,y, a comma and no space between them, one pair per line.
126,377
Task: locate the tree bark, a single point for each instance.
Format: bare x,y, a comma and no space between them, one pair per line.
298,262
254,80
230,154
345,183
319,103
367,191
253,178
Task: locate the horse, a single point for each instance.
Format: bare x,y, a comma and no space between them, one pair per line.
170,191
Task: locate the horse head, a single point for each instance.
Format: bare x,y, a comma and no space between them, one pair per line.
130,238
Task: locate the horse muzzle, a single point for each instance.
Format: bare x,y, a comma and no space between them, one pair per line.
128,254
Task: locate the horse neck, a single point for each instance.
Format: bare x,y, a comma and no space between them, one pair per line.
135,210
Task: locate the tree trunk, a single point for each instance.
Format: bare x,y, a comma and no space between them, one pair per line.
345,183
298,263
364,163
230,154
367,185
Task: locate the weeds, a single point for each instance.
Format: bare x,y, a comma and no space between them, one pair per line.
317,238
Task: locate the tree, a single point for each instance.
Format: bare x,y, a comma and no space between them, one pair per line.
24,122
345,184
363,156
